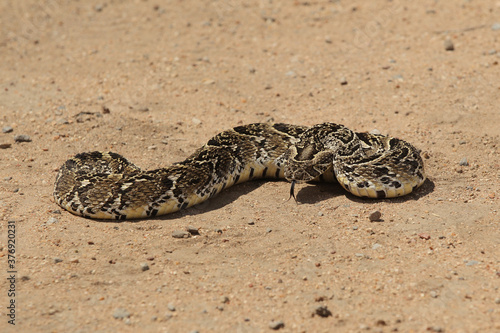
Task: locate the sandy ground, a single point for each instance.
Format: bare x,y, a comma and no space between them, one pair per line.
154,80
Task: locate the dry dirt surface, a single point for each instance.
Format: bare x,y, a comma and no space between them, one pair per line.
154,80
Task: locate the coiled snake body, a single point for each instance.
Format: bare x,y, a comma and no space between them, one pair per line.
104,185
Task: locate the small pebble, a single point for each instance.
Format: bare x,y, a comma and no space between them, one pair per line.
376,246
225,299
320,214
291,74
180,234
471,263
52,220
196,121
268,230
343,81
497,300
7,129
464,162
323,311
375,216
63,121
276,324
495,26
22,138
74,261
57,260
5,145
144,267
152,147
192,230
433,294
448,45
121,313
171,307
424,236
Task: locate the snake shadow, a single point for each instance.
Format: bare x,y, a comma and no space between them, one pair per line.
226,197
309,193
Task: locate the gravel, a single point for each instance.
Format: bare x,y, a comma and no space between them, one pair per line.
375,216
171,307
424,236
448,45
7,129
323,311
57,260
181,234
471,263
121,313
144,267
22,138
464,162
192,230
276,324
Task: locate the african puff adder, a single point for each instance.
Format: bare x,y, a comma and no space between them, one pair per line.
104,185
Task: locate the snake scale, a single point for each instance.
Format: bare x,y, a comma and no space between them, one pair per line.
104,185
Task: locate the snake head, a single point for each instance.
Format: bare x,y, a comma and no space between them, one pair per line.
306,164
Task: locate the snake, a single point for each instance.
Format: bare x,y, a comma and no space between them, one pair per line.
105,185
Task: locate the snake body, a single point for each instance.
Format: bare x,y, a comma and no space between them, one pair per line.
105,185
